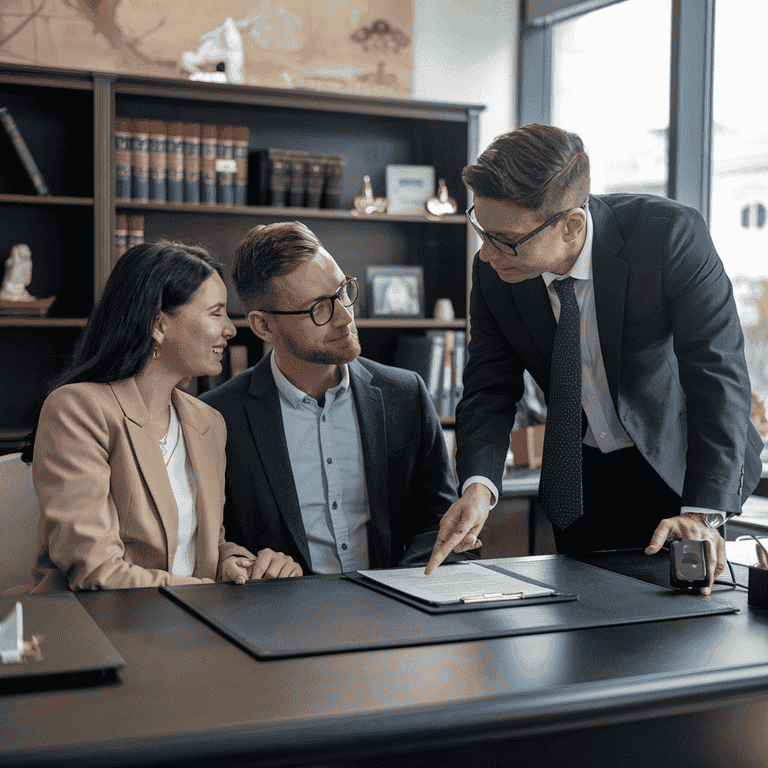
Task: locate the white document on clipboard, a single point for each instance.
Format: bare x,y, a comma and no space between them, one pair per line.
464,582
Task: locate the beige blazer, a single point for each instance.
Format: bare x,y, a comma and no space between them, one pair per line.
108,517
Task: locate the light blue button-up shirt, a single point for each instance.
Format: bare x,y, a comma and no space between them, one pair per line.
326,455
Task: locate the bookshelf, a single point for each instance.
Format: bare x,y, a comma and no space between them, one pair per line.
67,119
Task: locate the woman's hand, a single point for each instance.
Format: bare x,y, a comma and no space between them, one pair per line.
236,568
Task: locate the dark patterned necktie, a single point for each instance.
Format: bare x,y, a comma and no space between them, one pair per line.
560,485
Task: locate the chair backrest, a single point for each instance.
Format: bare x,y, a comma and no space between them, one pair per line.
19,520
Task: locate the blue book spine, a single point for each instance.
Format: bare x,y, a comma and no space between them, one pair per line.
140,161
208,165
175,152
158,162
122,159
225,166
192,163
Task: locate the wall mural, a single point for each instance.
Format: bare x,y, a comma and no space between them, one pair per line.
350,46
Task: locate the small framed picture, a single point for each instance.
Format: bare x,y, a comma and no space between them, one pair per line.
408,187
395,291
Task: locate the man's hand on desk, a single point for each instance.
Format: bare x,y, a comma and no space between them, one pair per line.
274,565
692,526
461,525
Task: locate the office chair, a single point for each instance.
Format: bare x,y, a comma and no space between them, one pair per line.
19,520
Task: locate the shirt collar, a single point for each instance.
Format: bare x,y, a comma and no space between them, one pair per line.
582,269
294,396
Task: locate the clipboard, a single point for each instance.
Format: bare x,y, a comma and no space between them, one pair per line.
469,602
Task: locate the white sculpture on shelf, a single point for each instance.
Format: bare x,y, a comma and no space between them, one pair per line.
18,275
12,636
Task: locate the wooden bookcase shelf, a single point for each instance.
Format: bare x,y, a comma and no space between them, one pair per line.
45,200
29,321
283,212
67,119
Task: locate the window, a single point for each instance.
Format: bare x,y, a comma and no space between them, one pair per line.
739,195
610,84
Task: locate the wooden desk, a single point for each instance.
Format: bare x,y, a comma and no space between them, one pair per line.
680,693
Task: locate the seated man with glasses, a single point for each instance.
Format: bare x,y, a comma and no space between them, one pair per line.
620,309
334,459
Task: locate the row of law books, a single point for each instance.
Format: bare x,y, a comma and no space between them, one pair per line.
129,231
295,178
181,162
22,150
439,358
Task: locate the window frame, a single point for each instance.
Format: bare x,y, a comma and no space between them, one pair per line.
691,80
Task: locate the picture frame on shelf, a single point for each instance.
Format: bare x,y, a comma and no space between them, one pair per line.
409,187
395,291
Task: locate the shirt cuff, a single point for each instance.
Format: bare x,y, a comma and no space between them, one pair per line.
488,484
714,517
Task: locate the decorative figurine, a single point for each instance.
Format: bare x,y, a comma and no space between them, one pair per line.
18,275
441,205
367,203
15,299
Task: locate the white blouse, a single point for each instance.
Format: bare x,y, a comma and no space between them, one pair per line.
184,487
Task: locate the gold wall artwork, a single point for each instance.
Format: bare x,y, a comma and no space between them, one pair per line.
348,46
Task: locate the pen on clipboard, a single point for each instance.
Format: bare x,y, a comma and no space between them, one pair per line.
491,597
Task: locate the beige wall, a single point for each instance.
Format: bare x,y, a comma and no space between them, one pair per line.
467,52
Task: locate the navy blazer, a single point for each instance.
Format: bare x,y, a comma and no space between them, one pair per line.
408,473
671,341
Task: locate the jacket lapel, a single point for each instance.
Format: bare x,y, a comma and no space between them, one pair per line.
532,301
149,459
369,404
266,422
202,454
609,275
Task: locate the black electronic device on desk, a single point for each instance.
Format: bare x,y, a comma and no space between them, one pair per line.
688,564
62,645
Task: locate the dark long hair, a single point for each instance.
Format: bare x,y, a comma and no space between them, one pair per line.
117,339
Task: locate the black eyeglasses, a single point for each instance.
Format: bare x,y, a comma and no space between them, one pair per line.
321,311
504,246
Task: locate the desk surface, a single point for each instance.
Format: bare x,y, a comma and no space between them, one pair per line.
189,695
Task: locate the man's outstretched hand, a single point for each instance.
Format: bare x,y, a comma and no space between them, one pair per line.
461,525
692,526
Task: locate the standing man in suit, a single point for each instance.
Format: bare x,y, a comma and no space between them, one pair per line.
648,430
336,460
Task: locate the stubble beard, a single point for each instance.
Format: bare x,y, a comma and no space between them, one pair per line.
326,356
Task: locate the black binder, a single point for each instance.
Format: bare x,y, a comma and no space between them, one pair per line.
73,650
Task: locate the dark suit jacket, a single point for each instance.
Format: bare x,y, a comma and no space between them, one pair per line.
407,470
672,345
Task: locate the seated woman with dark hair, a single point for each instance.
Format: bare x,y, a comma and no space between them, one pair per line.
128,468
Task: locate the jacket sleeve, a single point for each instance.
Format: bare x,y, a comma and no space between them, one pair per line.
434,486
226,548
80,525
709,347
493,385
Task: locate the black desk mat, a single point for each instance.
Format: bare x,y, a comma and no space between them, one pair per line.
74,651
314,615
